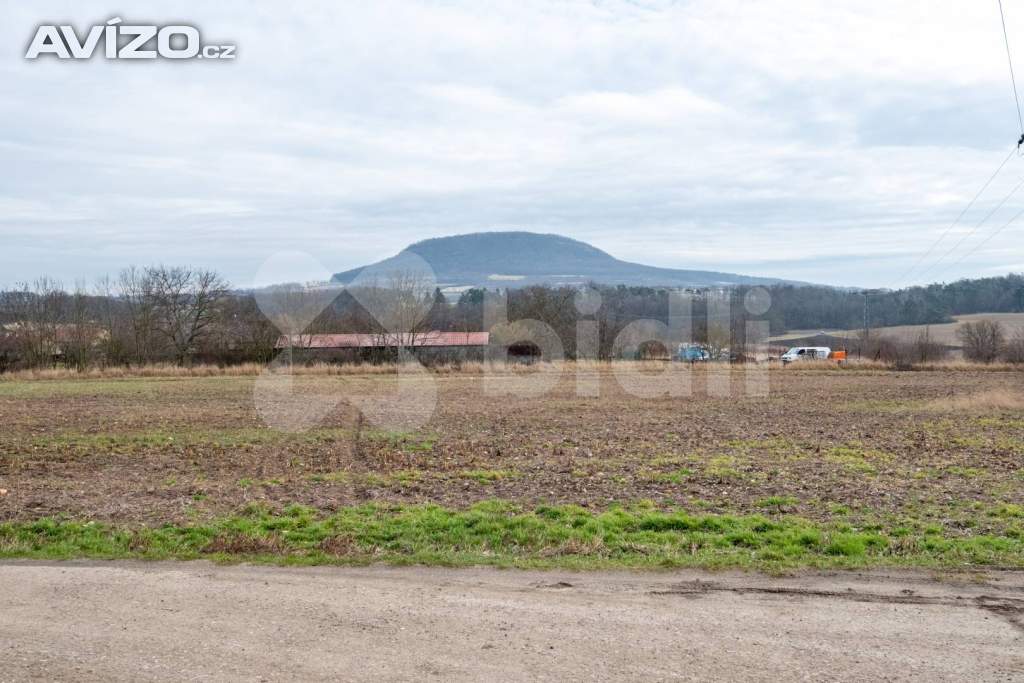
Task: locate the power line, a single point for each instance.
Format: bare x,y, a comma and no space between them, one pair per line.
974,229
952,225
1020,121
1009,60
985,241
942,237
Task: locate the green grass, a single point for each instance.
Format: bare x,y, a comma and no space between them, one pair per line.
128,386
966,472
164,438
238,437
667,460
1008,510
398,478
777,502
951,471
488,476
409,442
502,534
676,477
777,447
723,467
858,459
339,477
1001,423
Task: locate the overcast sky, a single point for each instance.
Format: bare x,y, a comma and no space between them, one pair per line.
821,141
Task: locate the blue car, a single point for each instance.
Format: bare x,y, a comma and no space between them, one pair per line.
692,354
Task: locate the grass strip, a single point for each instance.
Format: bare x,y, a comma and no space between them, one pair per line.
501,534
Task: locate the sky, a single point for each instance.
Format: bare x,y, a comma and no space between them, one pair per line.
832,142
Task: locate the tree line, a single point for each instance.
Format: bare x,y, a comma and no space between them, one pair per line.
184,315
829,308
156,314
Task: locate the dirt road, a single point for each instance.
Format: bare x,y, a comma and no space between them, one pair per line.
197,621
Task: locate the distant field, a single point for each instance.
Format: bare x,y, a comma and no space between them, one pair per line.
834,468
943,334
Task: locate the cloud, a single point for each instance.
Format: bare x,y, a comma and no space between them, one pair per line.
671,105
831,142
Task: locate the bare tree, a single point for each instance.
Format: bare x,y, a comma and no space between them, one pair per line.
554,306
79,335
184,305
37,312
241,332
297,310
112,321
136,286
400,307
982,340
926,349
1013,351
718,339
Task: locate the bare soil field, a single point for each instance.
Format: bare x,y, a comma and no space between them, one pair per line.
895,457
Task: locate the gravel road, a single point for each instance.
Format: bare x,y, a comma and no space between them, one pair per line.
197,621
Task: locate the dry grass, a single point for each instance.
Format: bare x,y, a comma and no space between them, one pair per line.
319,370
244,544
476,368
994,399
143,371
957,365
167,370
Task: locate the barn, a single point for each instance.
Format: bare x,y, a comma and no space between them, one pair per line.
430,346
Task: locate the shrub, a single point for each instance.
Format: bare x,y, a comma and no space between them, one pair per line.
1013,351
982,340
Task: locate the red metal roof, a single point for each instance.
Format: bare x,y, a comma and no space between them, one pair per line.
385,340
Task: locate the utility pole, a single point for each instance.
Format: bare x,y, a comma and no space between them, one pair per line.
864,336
865,315
867,330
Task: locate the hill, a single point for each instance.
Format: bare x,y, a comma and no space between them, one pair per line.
517,259
942,333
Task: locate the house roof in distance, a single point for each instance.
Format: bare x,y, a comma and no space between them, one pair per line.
433,338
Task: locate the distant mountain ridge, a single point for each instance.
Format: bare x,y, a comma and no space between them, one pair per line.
518,259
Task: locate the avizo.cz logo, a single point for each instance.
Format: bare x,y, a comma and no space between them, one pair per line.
125,41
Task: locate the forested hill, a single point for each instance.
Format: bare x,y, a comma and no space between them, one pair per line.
800,308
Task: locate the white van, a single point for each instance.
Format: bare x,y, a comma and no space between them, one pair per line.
805,353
